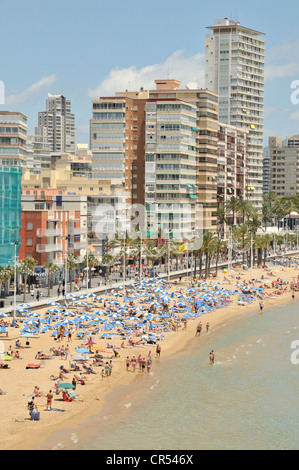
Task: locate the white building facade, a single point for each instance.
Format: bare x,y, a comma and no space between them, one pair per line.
234,68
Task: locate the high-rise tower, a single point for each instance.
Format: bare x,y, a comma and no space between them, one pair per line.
57,124
234,68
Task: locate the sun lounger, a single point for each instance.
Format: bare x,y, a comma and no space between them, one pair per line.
3,331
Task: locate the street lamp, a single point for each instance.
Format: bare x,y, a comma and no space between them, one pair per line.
251,256
168,232
65,271
15,282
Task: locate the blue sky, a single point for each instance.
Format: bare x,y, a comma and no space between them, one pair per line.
91,48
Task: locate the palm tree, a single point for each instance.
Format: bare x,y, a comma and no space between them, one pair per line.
220,246
245,209
222,220
72,262
279,210
89,261
208,248
7,273
290,207
270,198
233,205
3,278
175,251
27,268
123,242
52,269
255,221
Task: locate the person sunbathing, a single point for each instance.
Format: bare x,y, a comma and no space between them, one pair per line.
67,397
40,355
88,369
36,392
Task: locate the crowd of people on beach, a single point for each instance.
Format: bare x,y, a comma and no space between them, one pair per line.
140,316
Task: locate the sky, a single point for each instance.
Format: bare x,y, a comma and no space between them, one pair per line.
91,48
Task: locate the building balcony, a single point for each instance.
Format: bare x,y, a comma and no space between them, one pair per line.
39,197
77,230
78,246
48,232
48,248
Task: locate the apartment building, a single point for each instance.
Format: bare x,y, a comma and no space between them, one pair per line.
57,124
170,169
232,178
38,154
234,68
117,141
13,139
206,133
10,213
266,171
284,166
53,224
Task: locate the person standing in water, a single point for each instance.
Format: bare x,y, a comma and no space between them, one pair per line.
212,357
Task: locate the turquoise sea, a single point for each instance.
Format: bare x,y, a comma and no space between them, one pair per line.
247,400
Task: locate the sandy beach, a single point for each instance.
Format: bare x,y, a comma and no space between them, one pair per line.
18,382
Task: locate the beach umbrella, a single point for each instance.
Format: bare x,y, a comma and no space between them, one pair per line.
82,351
54,310
65,386
79,358
27,335
22,310
7,358
25,305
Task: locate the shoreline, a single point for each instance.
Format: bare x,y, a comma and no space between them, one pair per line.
97,394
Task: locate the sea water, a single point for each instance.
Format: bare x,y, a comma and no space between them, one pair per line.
247,400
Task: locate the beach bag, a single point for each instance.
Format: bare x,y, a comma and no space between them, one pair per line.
35,415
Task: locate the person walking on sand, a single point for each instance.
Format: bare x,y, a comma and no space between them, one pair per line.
212,357
31,406
207,327
158,350
49,400
198,329
261,305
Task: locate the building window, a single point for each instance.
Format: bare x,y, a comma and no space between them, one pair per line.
29,241
29,225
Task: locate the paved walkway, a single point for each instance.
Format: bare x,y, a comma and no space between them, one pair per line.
115,281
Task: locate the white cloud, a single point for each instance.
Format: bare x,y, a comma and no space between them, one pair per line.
188,70
32,92
282,61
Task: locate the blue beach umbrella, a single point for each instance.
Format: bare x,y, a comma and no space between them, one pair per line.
82,351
